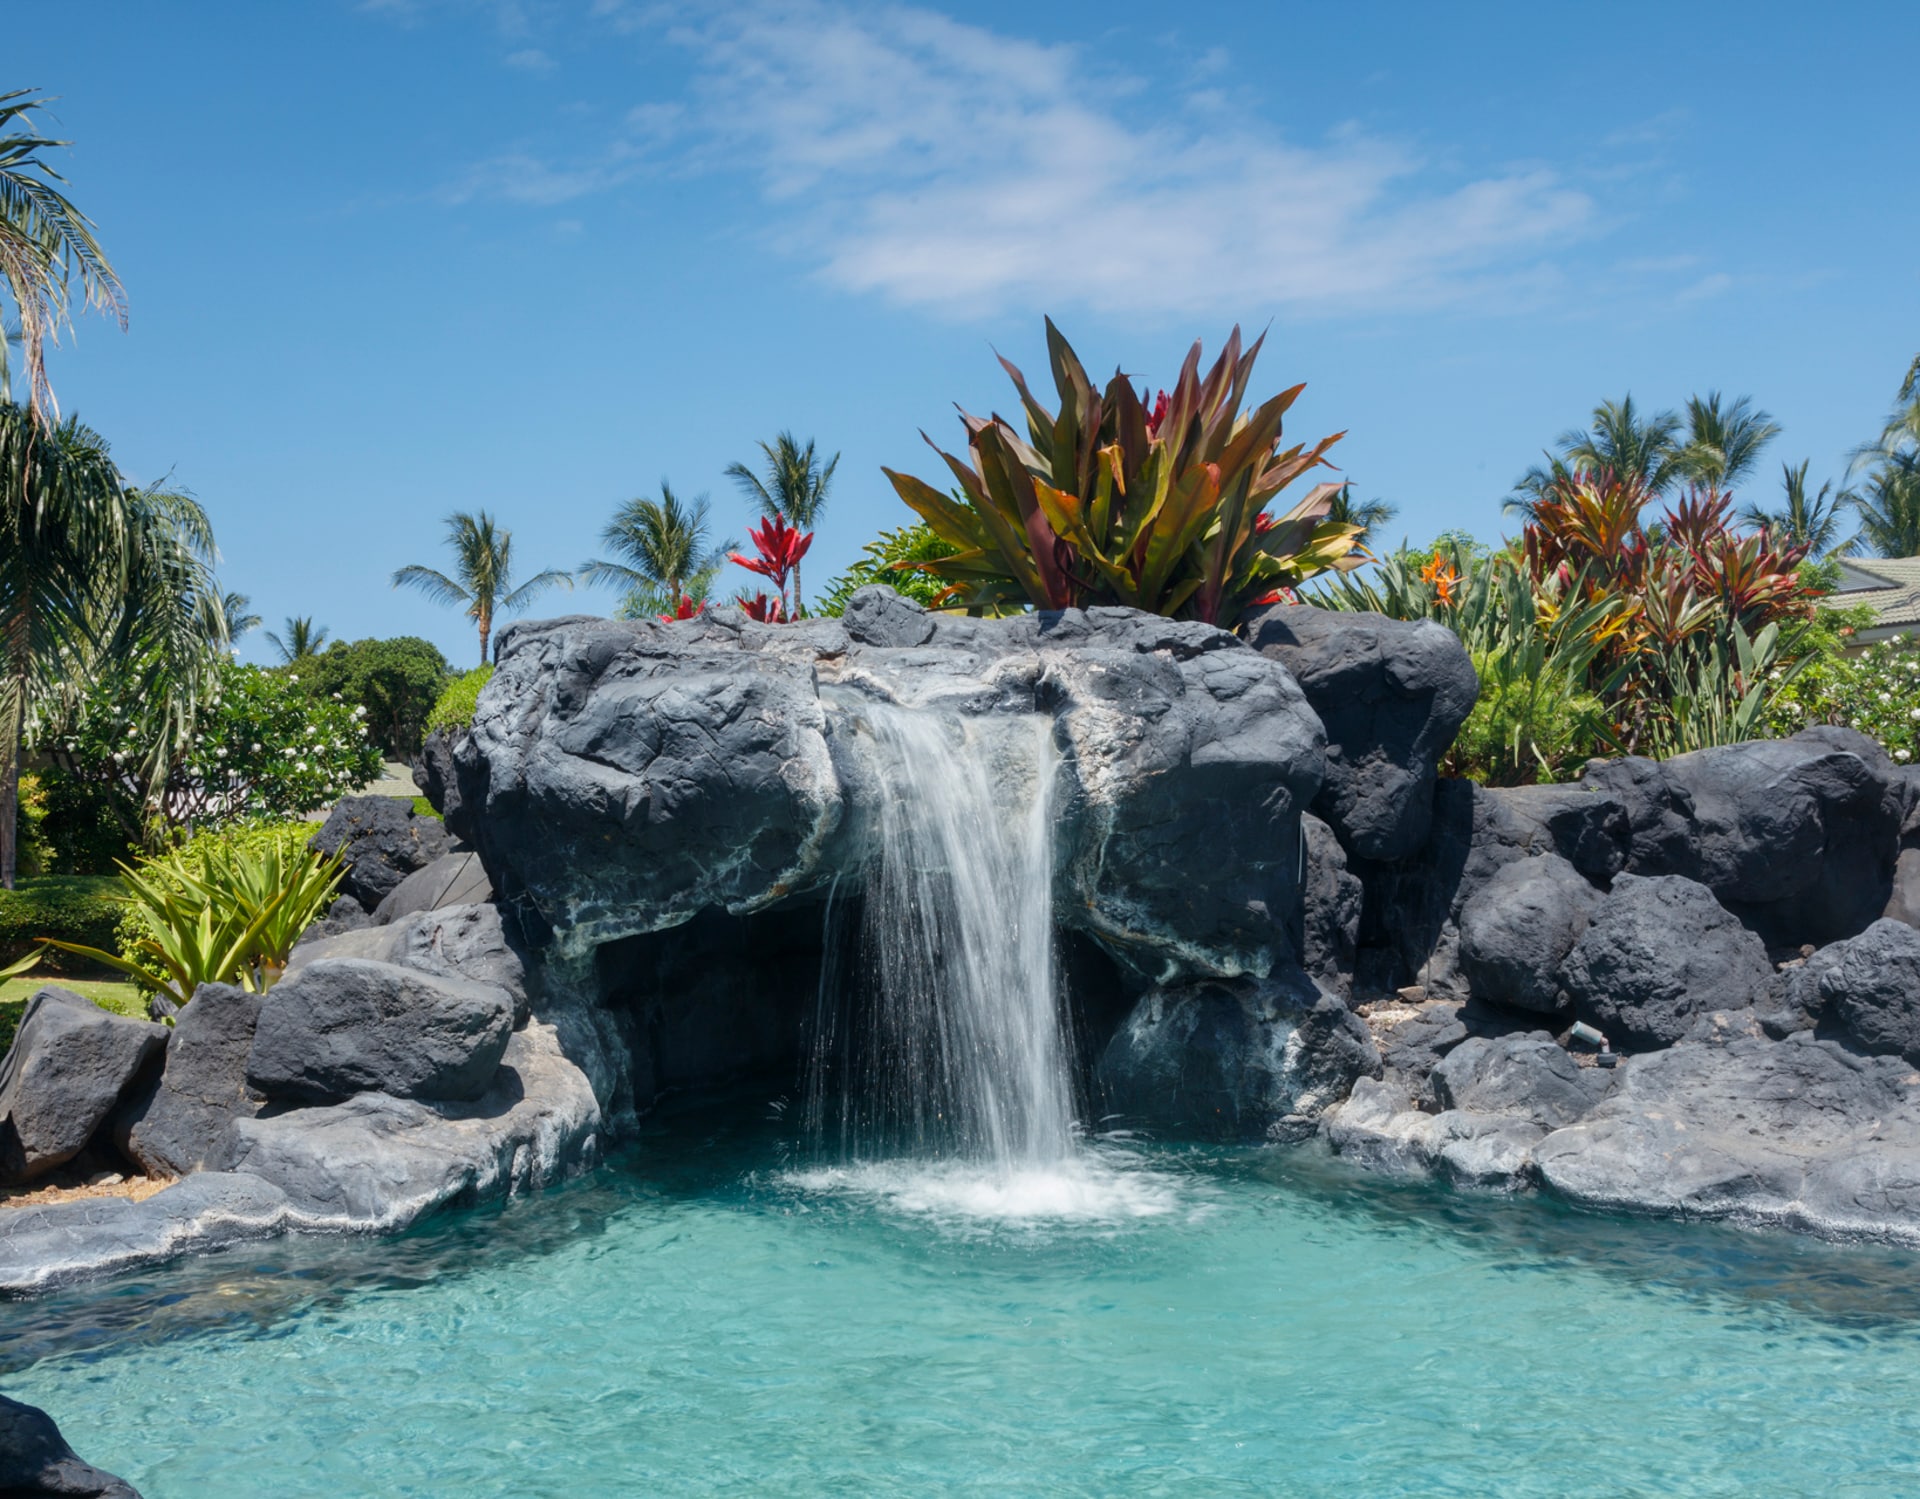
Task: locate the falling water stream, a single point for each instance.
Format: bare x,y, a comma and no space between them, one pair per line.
942,1078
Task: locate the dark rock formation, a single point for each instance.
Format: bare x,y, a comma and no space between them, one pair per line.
341,1026
68,1066
1871,985
35,1460
1392,695
1659,951
450,880
464,942
345,915
433,773
1798,837
1331,905
1240,1059
182,1121
1527,1077
620,777
1518,928
383,840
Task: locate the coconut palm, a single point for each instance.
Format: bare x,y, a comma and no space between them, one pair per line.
1810,521
302,638
793,487
237,610
99,581
1641,450
1888,504
663,551
48,252
1723,443
482,584
1368,515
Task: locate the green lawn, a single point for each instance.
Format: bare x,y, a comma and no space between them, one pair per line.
109,994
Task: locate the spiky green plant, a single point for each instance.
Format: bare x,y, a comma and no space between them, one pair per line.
1108,501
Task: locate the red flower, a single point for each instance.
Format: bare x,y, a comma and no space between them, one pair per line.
780,546
1156,414
685,609
767,611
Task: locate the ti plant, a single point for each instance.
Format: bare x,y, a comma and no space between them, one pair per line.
218,916
1110,501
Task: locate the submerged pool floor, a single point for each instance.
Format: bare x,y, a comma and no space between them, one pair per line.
705,1317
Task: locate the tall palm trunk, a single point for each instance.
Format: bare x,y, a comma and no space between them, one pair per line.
486,633
13,733
797,611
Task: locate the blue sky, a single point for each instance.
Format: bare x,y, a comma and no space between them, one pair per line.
388,260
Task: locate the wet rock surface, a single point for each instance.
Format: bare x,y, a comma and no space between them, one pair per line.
35,1460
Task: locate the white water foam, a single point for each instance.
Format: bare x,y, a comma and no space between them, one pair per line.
1082,1189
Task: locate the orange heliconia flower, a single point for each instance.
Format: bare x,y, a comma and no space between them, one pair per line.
1443,578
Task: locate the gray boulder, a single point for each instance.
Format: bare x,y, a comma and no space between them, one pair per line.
450,880
1799,837
1237,1059
1871,984
1392,695
1801,1133
182,1121
1331,907
433,773
69,1063
1660,951
383,841
1527,1077
620,777
345,915
1518,928
341,1026
465,942
35,1460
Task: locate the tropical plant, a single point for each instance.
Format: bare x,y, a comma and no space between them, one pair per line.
301,638
779,548
662,554
482,584
1809,522
1887,502
103,587
48,252
1110,501
396,681
1874,689
1723,443
793,489
454,709
892,558
218,914
259,745
1642,450
1368,515
237,610
1721,685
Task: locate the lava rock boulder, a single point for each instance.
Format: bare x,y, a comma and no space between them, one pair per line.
69,1064
35,1460
383,840
342,1026
1658,952
1871,985
182,1121
1392,695
1517,930
1237,1059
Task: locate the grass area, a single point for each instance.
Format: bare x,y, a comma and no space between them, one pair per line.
109,994
424,808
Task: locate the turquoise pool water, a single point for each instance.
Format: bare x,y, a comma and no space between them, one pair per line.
700,1318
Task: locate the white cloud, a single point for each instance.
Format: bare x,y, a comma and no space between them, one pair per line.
940,164
531,60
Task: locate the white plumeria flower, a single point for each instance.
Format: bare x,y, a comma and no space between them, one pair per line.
1901,754
254,748
294,678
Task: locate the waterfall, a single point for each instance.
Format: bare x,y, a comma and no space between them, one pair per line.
943,1037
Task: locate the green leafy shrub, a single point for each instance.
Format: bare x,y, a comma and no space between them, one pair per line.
73,908
454,710
260,747
1875,689
219,909
80,829
397,681
880,562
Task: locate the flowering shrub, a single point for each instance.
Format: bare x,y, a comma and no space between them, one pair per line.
259,746
1875,690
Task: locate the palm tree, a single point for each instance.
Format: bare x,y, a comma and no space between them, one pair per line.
1723,444
1806,521
98,580
1888,504
47,251
1642,450
237,610
302,638
1368,515
794,488
483,568
667,558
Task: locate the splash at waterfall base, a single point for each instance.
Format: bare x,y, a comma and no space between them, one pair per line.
1169,879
